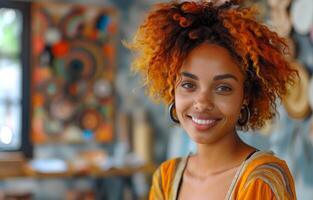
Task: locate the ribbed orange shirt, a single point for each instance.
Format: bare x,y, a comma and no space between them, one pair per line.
263,176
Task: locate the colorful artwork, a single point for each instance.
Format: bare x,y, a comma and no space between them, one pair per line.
73,66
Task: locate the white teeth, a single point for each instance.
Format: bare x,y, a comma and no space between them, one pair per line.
202,121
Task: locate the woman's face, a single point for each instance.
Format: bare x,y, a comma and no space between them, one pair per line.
210,94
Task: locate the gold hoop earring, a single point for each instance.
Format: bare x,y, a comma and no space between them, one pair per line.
172,115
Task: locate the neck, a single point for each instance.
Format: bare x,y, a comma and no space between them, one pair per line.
222,155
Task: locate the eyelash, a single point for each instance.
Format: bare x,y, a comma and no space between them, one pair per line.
219,89
225,88
188,85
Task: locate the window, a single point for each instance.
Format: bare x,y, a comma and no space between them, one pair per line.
15,77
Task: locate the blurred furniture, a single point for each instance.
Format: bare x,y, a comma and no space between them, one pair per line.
12,195
122,179
21,168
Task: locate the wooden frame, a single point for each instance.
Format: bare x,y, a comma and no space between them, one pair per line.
26,147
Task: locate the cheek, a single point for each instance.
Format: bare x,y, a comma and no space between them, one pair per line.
179,103
182,103
230,109
230,106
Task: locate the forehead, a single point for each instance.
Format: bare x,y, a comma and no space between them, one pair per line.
211,58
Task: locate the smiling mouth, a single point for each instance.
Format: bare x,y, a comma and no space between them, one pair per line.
203,121
203,124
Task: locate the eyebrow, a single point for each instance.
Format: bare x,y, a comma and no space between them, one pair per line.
225,76
189,75
216,78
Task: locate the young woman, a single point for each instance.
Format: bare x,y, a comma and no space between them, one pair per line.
219,69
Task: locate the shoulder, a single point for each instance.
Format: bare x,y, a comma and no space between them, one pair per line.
266,174
163,178
170,165
168,168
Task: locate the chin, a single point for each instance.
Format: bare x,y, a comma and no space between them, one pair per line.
209,137
202,139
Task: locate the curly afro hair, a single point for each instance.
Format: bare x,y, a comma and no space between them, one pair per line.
173,29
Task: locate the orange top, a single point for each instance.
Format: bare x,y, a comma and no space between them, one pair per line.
262,176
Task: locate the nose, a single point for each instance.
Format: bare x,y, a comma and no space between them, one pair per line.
203,102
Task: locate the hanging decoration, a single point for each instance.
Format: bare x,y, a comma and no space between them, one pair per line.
73,58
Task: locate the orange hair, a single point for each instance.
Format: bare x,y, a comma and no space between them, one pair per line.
173,29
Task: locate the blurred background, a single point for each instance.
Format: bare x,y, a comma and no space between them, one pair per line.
75,122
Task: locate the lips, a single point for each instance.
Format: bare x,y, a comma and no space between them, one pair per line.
203,123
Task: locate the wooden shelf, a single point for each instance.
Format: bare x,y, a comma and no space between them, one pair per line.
22,169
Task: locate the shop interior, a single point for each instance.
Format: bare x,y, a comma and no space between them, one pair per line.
76,123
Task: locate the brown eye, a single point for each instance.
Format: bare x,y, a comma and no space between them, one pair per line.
223,89
188,85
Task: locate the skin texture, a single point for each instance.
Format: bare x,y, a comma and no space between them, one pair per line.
211,89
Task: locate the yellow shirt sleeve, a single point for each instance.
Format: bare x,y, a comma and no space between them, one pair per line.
257,190
156,191
162,180
271,180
